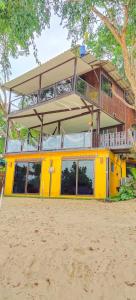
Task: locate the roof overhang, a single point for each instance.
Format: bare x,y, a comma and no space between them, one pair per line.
54,70
70,111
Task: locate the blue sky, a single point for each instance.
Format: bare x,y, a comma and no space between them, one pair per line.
51,42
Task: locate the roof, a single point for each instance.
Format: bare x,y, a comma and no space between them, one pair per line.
54,70
62,67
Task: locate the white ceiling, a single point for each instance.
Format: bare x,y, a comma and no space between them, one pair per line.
76,124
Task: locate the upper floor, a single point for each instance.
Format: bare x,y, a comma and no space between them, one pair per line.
71,94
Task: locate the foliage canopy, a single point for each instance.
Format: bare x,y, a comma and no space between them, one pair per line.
108,27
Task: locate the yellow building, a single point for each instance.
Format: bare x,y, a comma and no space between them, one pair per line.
104,171
75,144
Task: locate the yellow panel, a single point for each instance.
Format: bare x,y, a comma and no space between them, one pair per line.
117,173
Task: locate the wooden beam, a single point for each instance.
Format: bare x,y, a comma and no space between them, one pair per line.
50,112
54,130
36,113
87,106
59,127
75,71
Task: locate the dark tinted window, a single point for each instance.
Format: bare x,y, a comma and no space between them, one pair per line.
85,177
20,177
68,179
77,177
27,177
33,179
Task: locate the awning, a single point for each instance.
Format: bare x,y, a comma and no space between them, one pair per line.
54,70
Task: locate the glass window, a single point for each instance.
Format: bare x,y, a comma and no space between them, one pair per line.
106,86
85,177
77,177
68,179
33,179
27,177
20,177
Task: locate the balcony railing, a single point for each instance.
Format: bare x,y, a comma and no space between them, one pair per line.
56,90
86,140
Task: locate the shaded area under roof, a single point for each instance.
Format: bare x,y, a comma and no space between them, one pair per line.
75,119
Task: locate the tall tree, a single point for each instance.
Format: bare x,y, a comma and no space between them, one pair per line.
108,27
20,21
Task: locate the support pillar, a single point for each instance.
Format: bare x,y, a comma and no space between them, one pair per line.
98,123
91,126
40,84
59,124
41,134
7,135
75,71
98,128
9,105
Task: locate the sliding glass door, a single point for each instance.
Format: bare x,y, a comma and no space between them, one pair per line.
77,177
20,177
68,179
27,177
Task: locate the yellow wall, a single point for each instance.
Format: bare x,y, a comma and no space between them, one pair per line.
118,172
99,157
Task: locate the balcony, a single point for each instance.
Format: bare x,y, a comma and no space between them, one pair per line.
55,91
86,140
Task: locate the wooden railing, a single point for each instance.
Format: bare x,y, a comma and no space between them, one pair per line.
123,139
119,140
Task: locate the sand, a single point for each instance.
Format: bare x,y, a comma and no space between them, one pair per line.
67,249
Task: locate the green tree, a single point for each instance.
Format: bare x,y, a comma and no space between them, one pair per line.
108,27
20,21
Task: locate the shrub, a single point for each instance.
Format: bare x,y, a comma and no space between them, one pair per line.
127,191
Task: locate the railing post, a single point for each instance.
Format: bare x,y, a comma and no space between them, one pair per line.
62,141
21,146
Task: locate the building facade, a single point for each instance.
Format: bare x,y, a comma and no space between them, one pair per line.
79,129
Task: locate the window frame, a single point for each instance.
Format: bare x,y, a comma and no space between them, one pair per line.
27,173
103,76
76,159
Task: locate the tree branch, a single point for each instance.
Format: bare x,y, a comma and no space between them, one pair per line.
109,25
124,28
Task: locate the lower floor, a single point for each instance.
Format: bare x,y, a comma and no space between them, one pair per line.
95,173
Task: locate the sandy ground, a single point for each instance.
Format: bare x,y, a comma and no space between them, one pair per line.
67,250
